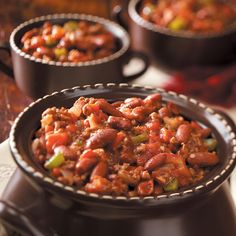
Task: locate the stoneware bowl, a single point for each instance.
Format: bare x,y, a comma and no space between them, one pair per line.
43,206
36,77
173,50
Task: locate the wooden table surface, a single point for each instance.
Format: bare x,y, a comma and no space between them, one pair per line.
14,12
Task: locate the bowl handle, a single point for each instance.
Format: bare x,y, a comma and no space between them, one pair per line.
117,16
19,220
3,67
146,62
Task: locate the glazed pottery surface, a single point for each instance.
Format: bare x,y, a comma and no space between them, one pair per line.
205,208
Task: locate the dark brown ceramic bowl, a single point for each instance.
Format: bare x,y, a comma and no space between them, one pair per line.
36,77
205,208
179,49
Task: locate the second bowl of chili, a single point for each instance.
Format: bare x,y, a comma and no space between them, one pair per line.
178,44
58,51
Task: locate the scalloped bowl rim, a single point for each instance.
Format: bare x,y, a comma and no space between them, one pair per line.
179,194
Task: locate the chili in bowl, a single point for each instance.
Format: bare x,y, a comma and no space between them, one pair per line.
179,34
197,16
136,147
58,51
74,41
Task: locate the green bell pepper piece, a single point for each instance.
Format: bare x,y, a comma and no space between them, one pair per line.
139,138
171,186
60,52
177,24
70,26
55,161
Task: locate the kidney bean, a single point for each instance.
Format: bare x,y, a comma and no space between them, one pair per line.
132,102
101,138
153,99
164,112
119,122
155,161
29,34
145,188
173,108
183,133
57,32
139,113
88,154
117,104
205,132
108,108
85,164
203,159
165,135
101,169
36,41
